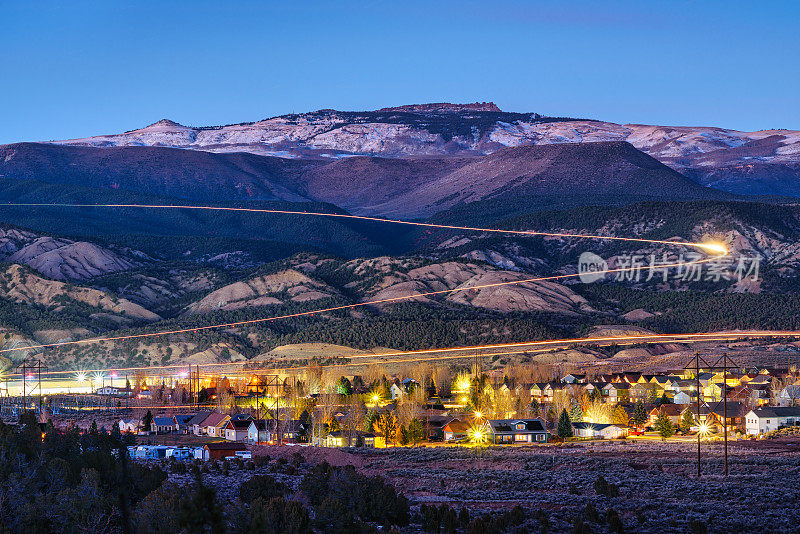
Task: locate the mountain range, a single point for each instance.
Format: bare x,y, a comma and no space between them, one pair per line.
764,162
73,272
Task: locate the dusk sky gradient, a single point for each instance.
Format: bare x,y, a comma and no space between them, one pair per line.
85,68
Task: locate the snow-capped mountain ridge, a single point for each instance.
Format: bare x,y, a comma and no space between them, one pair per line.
733,160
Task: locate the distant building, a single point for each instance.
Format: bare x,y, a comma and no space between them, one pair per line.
218,451
771,418
163,425
455,430
129,425
789,396
237,430
510,431
599,431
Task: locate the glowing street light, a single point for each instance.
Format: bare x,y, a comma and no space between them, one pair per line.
80,377
478,435
464,384
478,414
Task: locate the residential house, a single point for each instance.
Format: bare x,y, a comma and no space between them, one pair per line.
574,378
129,425
195,424
672,411
434,426
537,390
456,430
591,387
214,425
107,390
752,394
683,398
645,391
340,438
182,422
599,431
730,413
261,431
218,451
617,392
163,425
294,431
770,418
237,430
510,431
789,396
396,391
631,378
551,389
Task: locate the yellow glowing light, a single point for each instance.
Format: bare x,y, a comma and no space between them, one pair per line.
704,428
716,248
477,435
81,377
478,414
464,384
376,398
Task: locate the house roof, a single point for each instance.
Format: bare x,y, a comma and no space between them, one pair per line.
241,417
456,426
777,411
215,419
262,424
507,425
163,421
225,446
184,418
199,418
238,424
670,410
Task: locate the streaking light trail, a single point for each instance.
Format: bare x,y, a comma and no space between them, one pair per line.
331,309
713,248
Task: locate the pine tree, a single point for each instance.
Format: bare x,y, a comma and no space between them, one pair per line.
687,420
147,421
639,414
575,411
564,425
664,426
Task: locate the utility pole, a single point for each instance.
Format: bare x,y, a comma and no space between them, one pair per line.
697,382
725,405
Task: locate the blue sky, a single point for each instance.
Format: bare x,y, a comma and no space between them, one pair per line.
73,69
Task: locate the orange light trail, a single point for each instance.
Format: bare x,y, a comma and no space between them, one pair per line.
714,248
326,310
524,346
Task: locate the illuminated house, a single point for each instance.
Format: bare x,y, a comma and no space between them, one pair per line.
599,430
771,418
456,430
511,431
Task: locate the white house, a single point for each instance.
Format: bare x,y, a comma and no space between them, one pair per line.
789,396
682,398
396,391
261,431
237,430
108,390
771,418
599,431
129,425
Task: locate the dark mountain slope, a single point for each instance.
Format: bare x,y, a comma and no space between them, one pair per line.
179,173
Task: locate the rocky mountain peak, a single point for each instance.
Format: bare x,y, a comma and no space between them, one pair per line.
444,107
